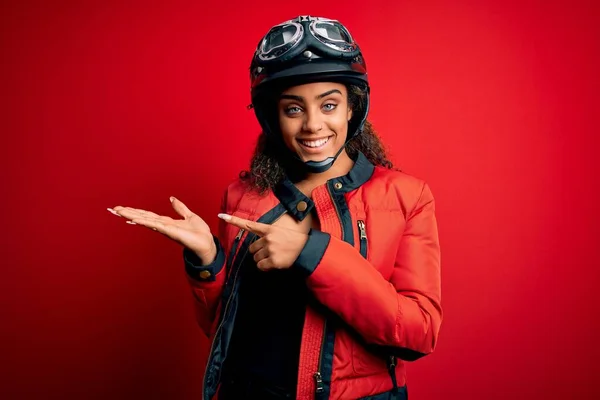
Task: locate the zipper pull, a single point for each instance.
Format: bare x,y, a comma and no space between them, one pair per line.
361,228
239,235
392,370
391,362
319,382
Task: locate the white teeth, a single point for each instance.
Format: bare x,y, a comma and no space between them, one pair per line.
314,143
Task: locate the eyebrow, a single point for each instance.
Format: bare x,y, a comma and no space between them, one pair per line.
301,99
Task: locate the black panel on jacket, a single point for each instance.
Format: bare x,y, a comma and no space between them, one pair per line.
265,344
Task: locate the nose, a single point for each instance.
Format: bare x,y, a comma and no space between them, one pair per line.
312,122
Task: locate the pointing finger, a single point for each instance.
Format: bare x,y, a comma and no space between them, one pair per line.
251,226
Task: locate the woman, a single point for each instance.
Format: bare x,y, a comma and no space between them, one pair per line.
325,274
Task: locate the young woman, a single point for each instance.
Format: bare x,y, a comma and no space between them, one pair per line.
324,277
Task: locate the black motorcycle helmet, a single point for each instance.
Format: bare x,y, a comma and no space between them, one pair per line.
305,50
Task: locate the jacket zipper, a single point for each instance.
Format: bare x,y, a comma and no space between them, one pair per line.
320,386
236,242
231,254
363,238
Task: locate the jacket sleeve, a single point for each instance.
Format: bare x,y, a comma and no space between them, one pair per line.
207,281
403,313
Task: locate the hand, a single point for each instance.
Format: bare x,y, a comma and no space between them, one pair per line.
277,247
191,231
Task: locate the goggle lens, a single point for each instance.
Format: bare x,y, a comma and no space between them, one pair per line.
280,40
334,35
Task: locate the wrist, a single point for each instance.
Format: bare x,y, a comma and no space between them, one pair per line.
210,256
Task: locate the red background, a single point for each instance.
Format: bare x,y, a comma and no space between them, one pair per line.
122,103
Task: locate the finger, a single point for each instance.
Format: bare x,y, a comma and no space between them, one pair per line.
129,212
180,208
144,213
132,214
261,255
257,245
254,227
156,225
265,264
110,210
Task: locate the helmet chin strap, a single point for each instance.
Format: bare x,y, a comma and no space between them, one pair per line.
317,167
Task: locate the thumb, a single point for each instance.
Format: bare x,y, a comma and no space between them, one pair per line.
180,208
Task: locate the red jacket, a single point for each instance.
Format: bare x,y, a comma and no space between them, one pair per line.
375,264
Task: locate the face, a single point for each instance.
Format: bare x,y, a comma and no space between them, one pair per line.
314,119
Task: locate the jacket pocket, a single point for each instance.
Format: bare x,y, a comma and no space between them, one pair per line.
366,362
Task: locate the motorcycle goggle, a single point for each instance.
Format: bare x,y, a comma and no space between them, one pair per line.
327,35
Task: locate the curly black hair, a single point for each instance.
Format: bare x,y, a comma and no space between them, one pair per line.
268,168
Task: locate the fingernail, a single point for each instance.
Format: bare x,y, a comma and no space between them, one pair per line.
225,217
113,212
131,222
172,199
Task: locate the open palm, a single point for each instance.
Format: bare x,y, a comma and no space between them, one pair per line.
191,231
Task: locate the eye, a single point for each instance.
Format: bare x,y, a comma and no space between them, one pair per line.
329,106
292,110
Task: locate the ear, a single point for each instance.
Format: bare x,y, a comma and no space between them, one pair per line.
349,113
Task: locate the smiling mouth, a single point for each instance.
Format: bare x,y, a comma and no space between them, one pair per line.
315,144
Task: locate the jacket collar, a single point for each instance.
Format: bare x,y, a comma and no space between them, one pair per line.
299,205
